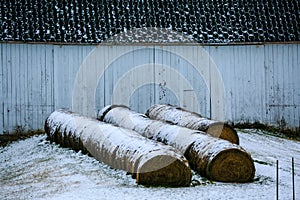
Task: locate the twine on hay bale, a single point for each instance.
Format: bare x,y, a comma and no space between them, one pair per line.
150,162
211,157
192,120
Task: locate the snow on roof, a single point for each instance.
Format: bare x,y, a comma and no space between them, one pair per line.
202,21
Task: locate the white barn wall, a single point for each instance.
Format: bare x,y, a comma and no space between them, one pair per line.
261,82
66,62
27,85
36,80
242,69
1,91
283,84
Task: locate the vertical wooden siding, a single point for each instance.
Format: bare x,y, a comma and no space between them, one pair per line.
242,69
261,82
35,80
1,91
27,85
283,85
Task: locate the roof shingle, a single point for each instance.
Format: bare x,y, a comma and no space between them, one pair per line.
206,21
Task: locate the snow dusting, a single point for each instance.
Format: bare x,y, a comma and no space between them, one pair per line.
36,169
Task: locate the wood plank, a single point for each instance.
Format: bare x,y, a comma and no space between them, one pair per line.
49,81
1,90
22,86
202,59
140,81
100,96
296,89
16,83
222,57
256,84
6,51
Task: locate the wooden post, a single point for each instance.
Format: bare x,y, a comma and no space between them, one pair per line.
293,178
277,194
150,162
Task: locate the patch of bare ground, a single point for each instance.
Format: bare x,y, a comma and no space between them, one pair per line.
8,138
281,132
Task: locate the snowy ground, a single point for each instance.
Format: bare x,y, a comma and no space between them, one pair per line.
35,169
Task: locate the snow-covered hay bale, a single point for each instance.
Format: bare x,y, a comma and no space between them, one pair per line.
192,120
151,163
214,158
220,160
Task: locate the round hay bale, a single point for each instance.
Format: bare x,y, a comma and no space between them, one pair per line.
219,161
179,116
214,158
150,162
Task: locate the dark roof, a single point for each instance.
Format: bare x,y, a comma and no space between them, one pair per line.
206,21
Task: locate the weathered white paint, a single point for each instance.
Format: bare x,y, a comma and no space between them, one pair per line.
242,69
26,85
131,81
262,82
283,85
258,83
121,61
1,91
